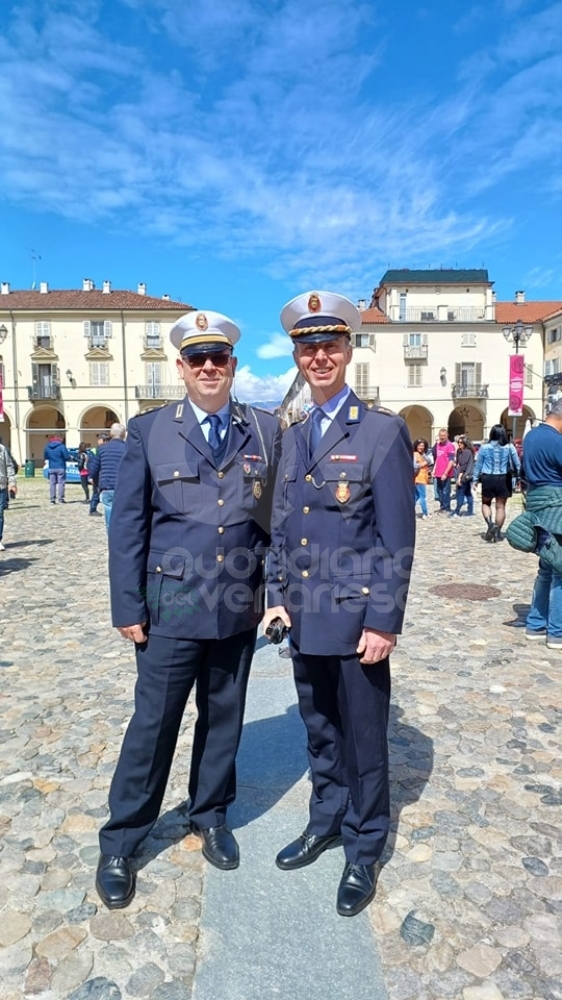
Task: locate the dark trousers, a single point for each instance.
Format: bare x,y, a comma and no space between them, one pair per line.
344,705
95,498
167,670
444,493
84,485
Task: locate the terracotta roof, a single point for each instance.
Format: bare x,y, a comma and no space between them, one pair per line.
435,276
87,301
527,312
374,315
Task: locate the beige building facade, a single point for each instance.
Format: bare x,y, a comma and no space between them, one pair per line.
432,348
74,362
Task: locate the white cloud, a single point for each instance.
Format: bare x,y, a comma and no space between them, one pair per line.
253,388
278,346
281,158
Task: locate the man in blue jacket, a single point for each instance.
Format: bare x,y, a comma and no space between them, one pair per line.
56,456
103,467
187,543
341,550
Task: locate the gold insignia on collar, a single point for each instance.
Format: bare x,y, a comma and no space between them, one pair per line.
353,413
343,492
179,411
314,303
201,321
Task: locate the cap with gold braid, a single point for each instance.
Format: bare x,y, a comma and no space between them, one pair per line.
316,317
203,332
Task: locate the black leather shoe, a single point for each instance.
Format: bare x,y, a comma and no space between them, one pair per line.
115,882
357,888
304,850
220,847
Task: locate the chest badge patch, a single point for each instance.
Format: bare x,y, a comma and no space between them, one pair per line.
343,492
247,468
257,489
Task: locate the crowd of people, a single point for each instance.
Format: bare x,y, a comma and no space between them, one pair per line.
496,468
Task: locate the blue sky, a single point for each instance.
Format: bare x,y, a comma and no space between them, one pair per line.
233,153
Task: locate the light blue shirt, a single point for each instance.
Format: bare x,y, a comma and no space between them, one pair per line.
223,413
332,407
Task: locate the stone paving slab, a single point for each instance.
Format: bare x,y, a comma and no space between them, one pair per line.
267,933
470,898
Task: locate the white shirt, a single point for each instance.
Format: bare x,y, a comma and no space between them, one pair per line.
331,408
223,413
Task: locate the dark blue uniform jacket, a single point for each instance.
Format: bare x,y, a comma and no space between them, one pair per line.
188,537
343,529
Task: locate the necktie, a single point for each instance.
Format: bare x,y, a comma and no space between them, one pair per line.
215,442
315,428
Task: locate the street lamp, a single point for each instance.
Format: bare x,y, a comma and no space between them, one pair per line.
3,333
516,335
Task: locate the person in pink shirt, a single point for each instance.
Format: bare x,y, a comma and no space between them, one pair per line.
444,453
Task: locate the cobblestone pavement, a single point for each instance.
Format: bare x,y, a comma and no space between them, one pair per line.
469,903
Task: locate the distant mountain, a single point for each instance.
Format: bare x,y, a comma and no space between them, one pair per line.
267,404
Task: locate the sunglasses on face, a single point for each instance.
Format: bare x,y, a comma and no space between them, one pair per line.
219,359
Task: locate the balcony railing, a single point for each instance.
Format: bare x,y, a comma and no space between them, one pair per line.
469,391
467,314
415,353
153,343
46,390
369,394
159,391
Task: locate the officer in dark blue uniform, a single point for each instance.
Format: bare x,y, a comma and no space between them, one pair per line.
188,535
341,552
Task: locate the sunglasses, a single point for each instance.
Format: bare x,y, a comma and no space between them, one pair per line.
219,359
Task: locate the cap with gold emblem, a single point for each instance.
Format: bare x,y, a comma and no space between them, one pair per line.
315,317
203,331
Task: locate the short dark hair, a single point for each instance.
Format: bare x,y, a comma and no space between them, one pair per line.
498,433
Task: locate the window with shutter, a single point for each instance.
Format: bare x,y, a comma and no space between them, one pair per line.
153,379
414,376
43,334
528,376
97,333
361,379
99,373
152,335
468,340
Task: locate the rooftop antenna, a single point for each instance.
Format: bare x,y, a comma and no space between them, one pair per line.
35,257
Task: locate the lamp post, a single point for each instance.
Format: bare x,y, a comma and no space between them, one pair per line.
516,335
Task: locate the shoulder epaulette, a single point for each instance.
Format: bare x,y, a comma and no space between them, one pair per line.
380,409
144,413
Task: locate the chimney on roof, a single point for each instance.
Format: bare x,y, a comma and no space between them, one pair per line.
141,288
43,287
88,285
361,304
519,298
106,287
166,297
5,288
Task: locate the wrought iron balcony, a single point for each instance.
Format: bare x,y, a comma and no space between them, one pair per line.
163,392
45,390
369,394
415,353
470,391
